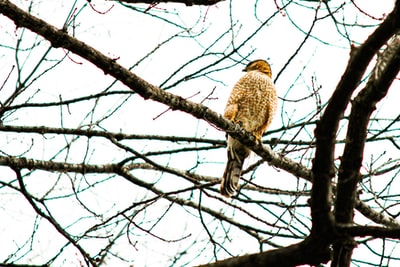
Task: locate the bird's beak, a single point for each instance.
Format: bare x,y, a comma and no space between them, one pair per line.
244,70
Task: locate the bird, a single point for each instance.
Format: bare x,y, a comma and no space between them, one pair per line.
252,105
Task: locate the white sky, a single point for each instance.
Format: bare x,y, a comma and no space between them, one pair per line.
129,36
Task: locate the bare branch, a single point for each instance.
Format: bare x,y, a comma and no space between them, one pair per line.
81,159
325,133
375,216
374,231
305,252
59,38
349,171
186,2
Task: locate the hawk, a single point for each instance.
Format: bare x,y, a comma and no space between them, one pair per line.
252,105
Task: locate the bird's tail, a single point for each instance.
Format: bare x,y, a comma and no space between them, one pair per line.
237,153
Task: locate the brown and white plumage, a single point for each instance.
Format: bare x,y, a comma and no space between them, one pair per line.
252,105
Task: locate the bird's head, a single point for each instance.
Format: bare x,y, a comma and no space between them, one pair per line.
260,65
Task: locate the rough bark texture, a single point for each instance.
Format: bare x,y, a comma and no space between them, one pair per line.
186,2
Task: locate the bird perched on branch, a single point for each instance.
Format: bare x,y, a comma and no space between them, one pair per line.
252,105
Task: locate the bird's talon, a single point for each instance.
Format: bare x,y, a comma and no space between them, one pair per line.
238,125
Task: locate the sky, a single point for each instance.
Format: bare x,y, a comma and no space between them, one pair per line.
133,39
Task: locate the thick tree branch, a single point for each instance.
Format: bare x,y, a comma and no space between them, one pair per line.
363,105
89,133
33,164
375,231
60,38
22,265
326,129
186,2
305,252
374,215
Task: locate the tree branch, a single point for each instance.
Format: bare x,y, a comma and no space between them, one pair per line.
60,38
89,133
186,2
33,164
374,215
305,252
325,132
375,231
364,104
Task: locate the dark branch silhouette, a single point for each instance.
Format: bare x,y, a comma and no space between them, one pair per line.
334,184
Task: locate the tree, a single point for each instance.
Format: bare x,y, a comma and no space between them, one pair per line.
101,167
